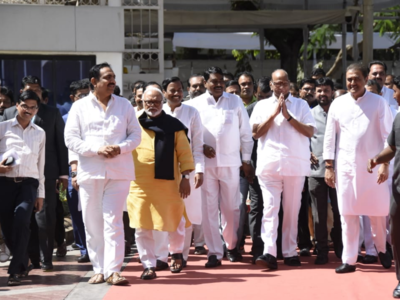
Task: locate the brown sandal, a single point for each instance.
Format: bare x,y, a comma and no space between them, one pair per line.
96,278
176,263
116,279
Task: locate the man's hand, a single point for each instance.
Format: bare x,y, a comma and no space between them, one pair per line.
64,183
313,159
208,151
278,107
3,168
38,204
330,177
75,184
383,173
284,108
249,172
198,180
371,164
109,151
184,188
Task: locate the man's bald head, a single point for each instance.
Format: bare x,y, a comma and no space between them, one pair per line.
280,74
280,83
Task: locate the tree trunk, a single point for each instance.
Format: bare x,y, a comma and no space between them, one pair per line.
288,43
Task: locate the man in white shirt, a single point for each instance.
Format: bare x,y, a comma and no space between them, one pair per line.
357,127
189,116
226,133
283,125
377,70
22,182
103,130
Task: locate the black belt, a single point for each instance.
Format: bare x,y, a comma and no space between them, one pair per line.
16,179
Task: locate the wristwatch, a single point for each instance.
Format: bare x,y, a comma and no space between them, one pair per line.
73,174
247,162
185,176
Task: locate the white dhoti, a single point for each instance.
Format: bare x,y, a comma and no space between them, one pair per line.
102,202
272,186
150,242
351,232
220,191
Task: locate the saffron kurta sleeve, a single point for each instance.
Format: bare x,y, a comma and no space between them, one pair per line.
156,204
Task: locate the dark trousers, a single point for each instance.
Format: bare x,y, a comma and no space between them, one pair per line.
243,221
60,229
303,230
17,202
319,192
255,217
76,217
128,231
395,229
42,237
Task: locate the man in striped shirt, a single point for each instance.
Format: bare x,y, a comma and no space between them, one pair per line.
22,182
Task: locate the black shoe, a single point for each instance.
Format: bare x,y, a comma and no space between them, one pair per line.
386,260
345,268
305,252
389,249
267,261
233,255
322,259
47,267
160,265
212,262
148,273
360,258
83,258
26,273
293,261
13,280
396,292
200,250
75,246
369,259
61,250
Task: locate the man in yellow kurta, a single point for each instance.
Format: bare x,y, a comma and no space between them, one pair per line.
163,161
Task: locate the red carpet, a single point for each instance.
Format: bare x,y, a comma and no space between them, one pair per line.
246,281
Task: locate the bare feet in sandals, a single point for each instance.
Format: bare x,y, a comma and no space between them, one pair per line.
96,278
176,263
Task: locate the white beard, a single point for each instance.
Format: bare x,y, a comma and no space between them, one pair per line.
152,114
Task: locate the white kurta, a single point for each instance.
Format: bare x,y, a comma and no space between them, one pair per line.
226,128
190,117
356,131
388,95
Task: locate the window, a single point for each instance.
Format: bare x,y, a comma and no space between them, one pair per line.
56,72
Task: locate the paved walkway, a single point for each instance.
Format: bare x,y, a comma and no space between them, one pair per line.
231,281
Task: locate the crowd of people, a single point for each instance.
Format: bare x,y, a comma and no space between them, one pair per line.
236,156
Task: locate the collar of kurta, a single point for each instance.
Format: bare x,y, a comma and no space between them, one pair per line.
289,98
366,93
94,99
164,128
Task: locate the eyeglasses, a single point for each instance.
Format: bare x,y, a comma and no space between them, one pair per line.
280,84
80,96
152,102
27,108
309,89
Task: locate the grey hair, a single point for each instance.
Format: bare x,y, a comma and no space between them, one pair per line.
152,88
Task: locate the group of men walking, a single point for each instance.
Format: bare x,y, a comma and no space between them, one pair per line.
174,164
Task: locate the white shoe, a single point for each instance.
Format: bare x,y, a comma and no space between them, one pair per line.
4,253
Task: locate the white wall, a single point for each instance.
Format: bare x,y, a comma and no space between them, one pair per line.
61,28
115,60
